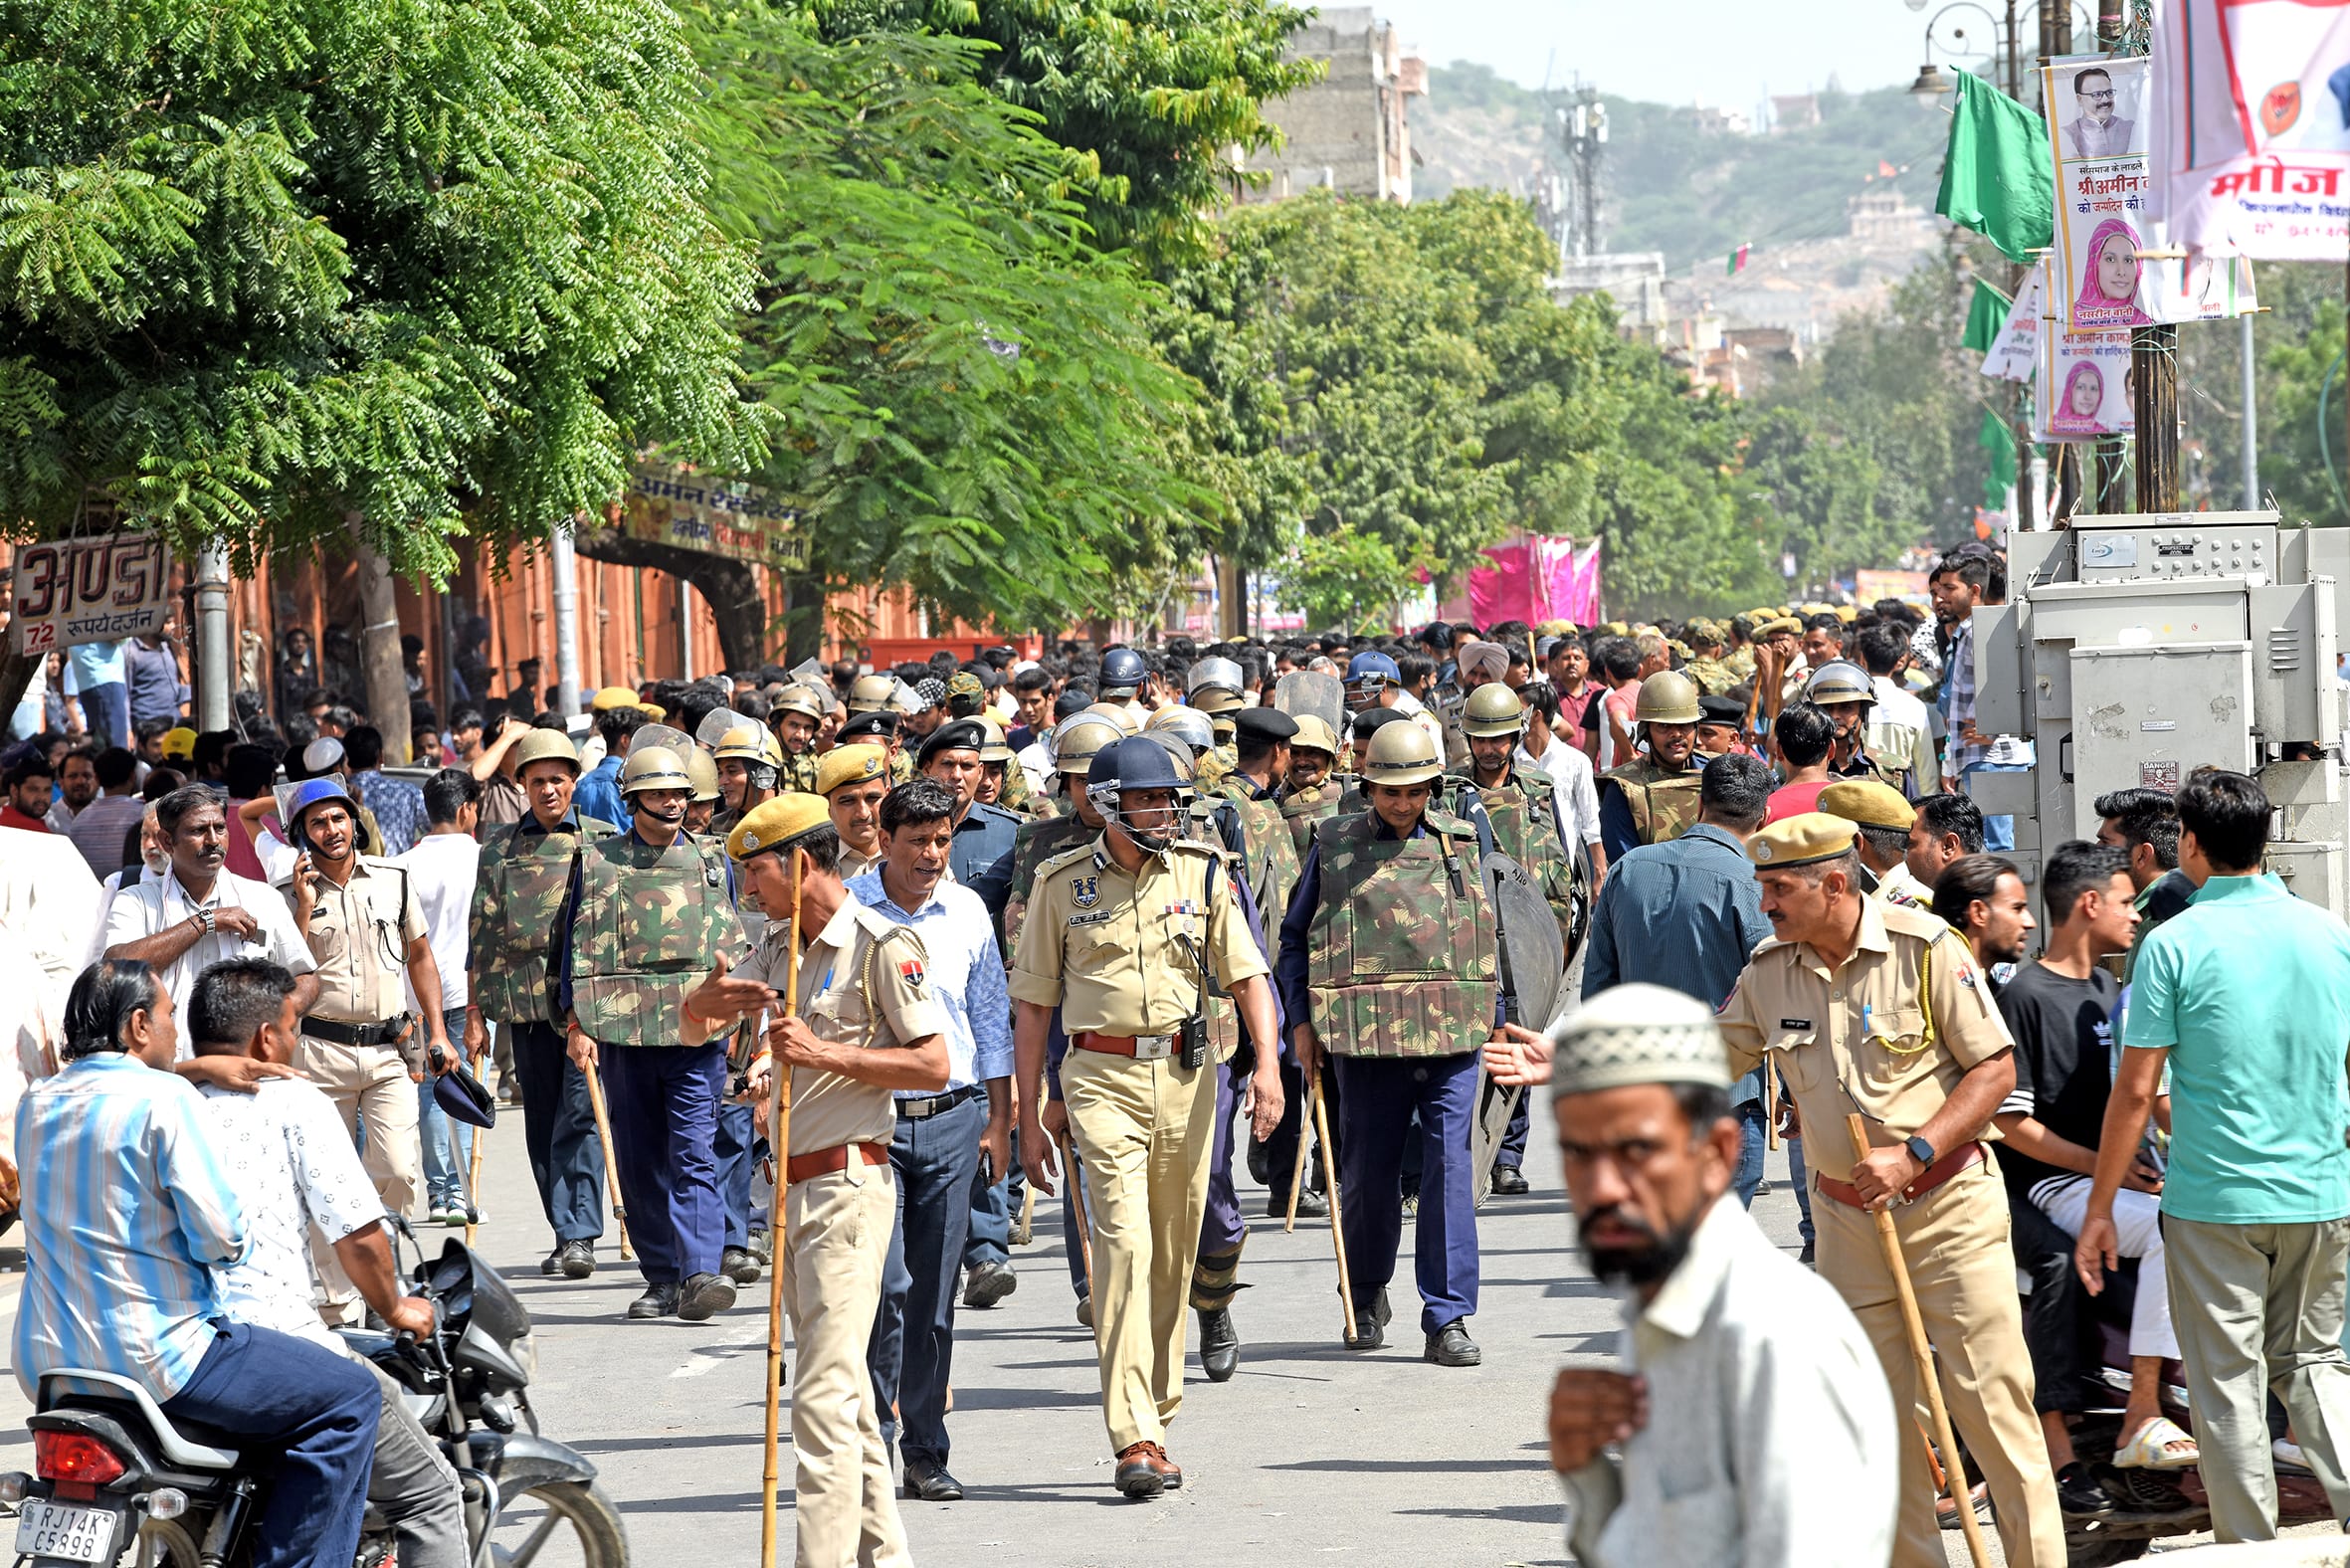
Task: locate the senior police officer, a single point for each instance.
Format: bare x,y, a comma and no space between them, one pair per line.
1126,936
521,883
1389,966
866,1025
649,1001
853,779
1865,1005
1652,797
1884,820
1842,691
366,932
1521,807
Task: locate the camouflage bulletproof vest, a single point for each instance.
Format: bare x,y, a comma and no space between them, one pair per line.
518,894
797,773
1525,829
1714,678
1302,808
1272,867
1213,768
1664,805
651,924
1400,959
1016,794
1034,844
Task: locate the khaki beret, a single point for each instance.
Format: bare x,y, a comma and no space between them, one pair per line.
1800,840
1868,803
773,824
613,697
850,765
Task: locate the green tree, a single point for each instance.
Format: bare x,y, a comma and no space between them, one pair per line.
275,270
971,401
1155,93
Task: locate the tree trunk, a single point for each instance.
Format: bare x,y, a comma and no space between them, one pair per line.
803,630
731,587
379,647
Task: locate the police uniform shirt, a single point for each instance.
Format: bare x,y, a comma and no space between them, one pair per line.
864,981
1113,949
1896,1027
856,863
359,935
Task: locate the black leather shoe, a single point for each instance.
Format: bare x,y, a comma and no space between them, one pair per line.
1451,1346
1804,1257
1370,1324
1510,1182
659,1300
1085,1310
2078,1493
1309,1202
761,1246
705,1295
552,1263
577,1260
989,1283
1220,1345
1260,1161
929,1482
737,1264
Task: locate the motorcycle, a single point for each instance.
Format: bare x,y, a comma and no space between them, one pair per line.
117,1482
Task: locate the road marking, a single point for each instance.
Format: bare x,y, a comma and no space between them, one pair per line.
711,1357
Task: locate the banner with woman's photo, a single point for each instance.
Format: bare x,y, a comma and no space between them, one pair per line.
2107,205
2082,390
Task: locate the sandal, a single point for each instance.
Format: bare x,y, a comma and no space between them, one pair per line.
2157,1448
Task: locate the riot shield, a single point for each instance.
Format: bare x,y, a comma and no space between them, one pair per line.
1310,691
1535,969
810,672
717,722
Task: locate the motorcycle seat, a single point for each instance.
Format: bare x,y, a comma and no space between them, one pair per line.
177,1444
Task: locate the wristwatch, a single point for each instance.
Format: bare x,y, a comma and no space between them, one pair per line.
1922,1152
203,918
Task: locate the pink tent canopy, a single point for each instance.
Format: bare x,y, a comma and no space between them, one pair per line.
1542,578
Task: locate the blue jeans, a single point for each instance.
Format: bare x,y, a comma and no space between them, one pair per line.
911,1354
559,1132
106,710
448,1143
738,1134
988,1236
1802,1187
1378,1099
1752,1142
1999,833
315,1412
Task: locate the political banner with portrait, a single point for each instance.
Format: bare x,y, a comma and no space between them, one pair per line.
717,516
91,590
2251,127
2082,391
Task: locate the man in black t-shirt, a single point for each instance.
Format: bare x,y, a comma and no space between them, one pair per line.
2060,1010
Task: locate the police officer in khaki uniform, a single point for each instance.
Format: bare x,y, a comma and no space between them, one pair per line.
853,779
366,930
1125,936
869,1024
1866,1004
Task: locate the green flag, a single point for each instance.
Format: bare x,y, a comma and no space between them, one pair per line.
1999,445
1985,317
1998,175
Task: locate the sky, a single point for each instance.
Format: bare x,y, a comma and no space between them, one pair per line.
1724,52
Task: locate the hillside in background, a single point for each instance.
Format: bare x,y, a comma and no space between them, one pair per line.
1670,184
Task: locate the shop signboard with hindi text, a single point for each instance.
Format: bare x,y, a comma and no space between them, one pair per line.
90,590
717,516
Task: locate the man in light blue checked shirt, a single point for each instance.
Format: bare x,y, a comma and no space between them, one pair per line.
942,1136
130,1214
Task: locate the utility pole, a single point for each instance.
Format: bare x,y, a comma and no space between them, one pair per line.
566,575
214,675
1576,135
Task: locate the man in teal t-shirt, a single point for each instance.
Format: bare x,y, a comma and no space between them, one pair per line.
2245,996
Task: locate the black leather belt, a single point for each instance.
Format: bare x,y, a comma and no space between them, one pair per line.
383,1034
930,1105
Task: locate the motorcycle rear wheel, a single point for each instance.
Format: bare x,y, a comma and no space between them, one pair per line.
579,1526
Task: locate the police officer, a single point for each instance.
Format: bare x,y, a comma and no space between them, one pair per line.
750,765
797,720
1374,680
852,779
1843,689
1706,667
701,805
752,759
652,929
983,832
522,881
1124,677
1002,783
1861,1004
365,929
1126,936
1314,785
868,1024
1392,891
1523,811
881,728
1653,798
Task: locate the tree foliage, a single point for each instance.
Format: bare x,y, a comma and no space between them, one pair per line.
266,264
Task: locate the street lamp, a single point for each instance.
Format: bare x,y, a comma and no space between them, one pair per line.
1931,83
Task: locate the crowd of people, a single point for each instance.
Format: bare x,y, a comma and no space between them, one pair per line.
1100,925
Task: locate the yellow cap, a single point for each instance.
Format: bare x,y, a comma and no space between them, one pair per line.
1773,627
610,697
850,765
652,711
1868,803
1800,840
179,745
773,824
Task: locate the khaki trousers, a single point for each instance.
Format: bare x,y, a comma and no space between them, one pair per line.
836,1239
370,1087
1143,1130
1963,1270
2259,1307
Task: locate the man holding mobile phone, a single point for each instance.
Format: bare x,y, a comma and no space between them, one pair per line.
944,1136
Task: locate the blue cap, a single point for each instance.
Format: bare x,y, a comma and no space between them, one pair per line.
309,792
1135,762
1371,664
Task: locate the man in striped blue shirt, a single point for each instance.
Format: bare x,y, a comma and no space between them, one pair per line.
128,1215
